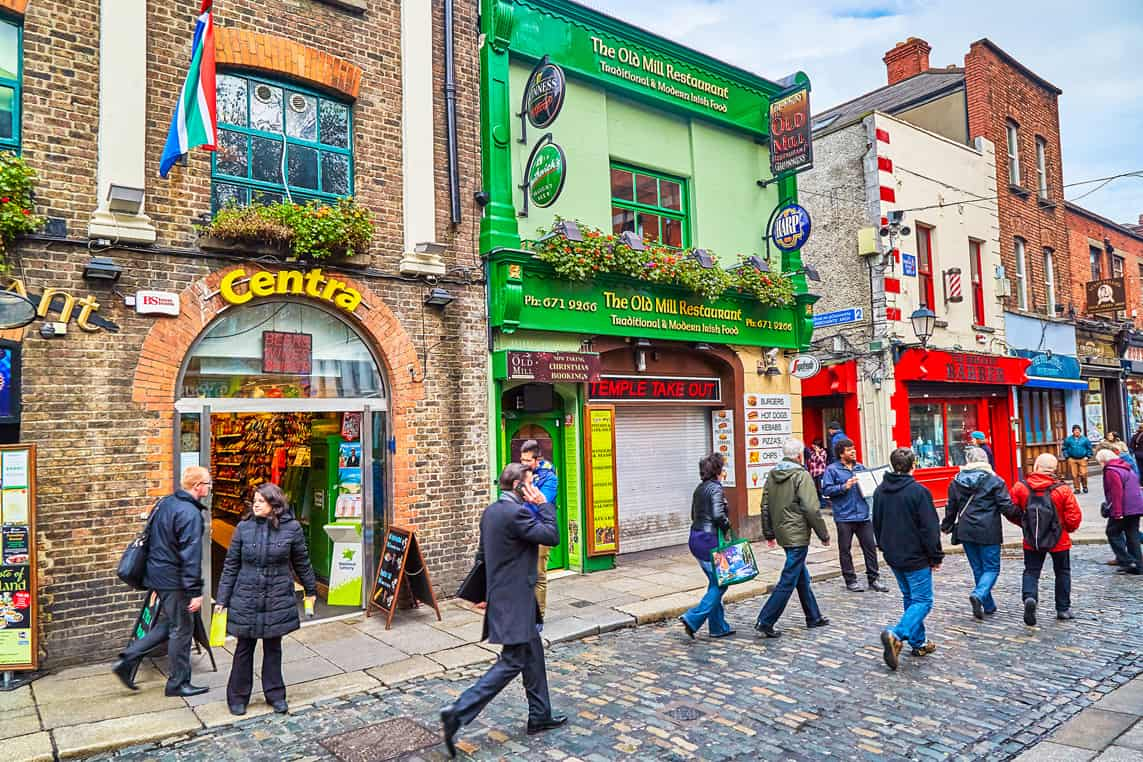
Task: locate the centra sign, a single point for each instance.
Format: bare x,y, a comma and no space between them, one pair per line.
240,287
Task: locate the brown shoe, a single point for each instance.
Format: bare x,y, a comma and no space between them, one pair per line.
926,649
892,649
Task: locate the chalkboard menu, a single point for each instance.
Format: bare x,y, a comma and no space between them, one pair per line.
19,607
401,563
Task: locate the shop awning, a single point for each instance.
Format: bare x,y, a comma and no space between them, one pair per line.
1040,382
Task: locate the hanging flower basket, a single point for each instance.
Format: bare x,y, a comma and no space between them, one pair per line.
17,217
310,232
604,253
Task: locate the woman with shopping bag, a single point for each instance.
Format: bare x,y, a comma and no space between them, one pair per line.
708,518
256,594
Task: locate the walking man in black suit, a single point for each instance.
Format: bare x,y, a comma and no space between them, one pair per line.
510,536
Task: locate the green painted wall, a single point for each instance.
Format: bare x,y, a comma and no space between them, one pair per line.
728,209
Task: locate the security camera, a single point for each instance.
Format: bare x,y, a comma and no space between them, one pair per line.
883,232
482,198
905,230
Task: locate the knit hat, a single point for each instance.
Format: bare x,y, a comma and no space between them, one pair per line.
979,435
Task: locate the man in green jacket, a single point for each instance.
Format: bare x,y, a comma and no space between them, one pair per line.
790,508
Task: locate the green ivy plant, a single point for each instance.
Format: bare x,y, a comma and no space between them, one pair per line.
601,252
311,231
17,215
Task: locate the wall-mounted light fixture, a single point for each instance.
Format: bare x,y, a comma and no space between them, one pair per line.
566,228
759,264
641,347
102,269
430,247
123,199
702,346
703,257
632,240
439,297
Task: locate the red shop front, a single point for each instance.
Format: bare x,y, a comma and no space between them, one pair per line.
831,395
940,398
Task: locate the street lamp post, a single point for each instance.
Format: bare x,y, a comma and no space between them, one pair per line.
924,320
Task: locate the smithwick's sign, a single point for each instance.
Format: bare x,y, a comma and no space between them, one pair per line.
553,367
546,173
646,389
791,141
239,287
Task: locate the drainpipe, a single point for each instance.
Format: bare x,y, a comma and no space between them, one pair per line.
450,110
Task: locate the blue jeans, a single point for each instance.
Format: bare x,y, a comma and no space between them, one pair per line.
795,576
985,563
709,609
917,590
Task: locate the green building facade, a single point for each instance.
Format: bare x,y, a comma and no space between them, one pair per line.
627,370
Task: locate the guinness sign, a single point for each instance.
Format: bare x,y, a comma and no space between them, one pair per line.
544,95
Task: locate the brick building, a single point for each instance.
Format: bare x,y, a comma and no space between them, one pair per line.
995,98
353,88
1112,254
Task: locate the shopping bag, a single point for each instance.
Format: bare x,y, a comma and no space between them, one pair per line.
218,629
733,562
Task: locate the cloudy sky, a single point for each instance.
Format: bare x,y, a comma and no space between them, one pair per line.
1093,51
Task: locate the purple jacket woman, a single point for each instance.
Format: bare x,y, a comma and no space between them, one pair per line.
1125,507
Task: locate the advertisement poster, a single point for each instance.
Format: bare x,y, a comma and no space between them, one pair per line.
603,534
722,434
14,471
17,558
769,422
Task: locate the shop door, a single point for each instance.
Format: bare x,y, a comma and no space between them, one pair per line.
374,477
657,450
545,429
192,448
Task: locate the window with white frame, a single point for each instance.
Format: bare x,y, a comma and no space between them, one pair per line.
1013,154
1050,280
1021,275
1042,167
1116,266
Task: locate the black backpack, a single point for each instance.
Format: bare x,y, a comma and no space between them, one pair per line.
1042,529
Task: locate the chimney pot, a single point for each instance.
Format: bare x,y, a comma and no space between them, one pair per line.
907,59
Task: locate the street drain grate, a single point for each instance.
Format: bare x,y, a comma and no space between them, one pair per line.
683,713
381,741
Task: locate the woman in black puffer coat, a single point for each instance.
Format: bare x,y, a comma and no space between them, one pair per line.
258,589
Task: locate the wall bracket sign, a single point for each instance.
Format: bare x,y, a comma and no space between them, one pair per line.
543,97
545,174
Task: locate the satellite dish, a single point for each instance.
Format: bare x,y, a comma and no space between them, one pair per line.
15,311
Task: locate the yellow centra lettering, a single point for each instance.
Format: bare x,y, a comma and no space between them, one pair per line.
226,287
348,300
262,284
290,282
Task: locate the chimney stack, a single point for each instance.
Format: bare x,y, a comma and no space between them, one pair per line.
906,59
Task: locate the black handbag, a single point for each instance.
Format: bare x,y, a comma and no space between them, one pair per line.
133,563
474,588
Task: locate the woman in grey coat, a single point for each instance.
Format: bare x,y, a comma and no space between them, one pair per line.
257,587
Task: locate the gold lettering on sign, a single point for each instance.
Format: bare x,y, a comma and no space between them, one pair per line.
263,284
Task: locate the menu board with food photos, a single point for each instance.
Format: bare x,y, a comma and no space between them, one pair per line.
769,422
722,434
18,604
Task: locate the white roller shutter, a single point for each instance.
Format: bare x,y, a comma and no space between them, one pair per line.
656,464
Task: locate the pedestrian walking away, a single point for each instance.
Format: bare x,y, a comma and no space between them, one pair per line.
257,592
905,522
980,439
1117,445
708,518
1048,512
834,434
1078,450
174,571
790,509
1123,506
851,516
977,500
510,536
545,479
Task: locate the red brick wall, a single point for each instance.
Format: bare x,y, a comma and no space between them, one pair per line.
907,59
1083,233
102,416
996,92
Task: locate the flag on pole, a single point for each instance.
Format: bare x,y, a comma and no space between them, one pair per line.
195,121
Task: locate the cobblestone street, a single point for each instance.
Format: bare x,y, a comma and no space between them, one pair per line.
992,690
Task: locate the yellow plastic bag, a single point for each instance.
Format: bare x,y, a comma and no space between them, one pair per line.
218,629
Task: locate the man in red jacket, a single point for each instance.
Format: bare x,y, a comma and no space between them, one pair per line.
1042,483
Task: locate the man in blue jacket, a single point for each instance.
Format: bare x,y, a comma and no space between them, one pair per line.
544,479
1077,449
851,514
834,434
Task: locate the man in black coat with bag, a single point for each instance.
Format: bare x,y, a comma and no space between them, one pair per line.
174,570
510,536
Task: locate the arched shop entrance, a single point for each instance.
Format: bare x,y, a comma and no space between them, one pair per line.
287,391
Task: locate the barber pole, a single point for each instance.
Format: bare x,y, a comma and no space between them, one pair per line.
953,292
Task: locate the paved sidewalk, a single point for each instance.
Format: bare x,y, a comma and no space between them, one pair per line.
1111,730
85,710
